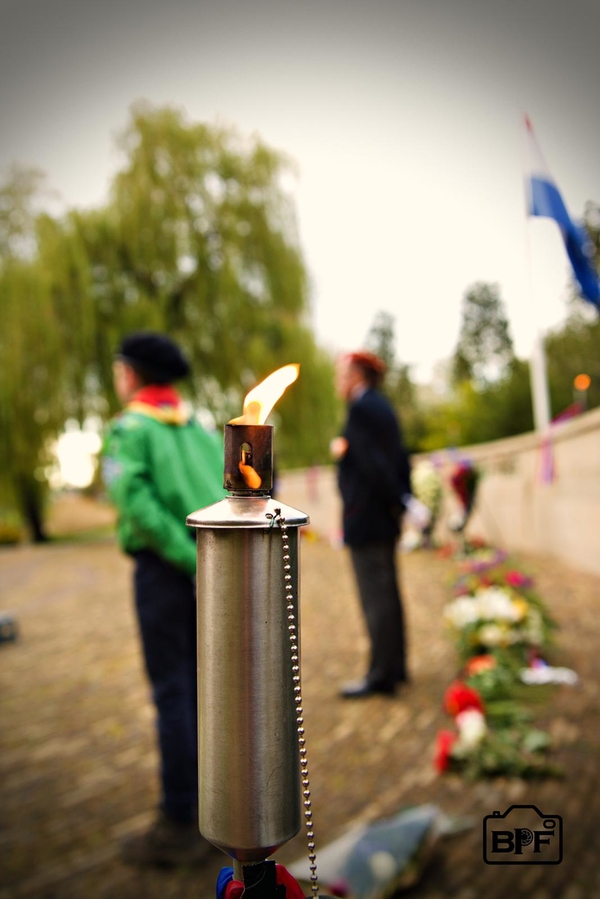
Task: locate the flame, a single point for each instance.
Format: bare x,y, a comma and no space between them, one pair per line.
261,399
250,476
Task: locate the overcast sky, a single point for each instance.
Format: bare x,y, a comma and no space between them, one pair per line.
403,117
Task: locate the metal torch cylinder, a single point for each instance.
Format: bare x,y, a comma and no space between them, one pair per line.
249,783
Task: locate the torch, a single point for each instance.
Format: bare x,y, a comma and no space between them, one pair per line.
250,733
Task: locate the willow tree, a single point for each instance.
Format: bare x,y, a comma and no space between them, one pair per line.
32,409
62,257
199,239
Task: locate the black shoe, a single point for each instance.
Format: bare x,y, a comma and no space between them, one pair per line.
167,843
363,688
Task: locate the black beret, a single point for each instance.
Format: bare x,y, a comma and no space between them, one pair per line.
155,356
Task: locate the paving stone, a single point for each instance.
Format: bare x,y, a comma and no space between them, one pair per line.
78,763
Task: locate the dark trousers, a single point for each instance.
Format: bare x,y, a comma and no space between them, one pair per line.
377,580
166,608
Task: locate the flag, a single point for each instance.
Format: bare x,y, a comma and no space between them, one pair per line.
544,199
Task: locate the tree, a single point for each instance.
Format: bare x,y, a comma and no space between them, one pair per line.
31,400
198,239
308,414
476,414
398,386
573,349
501,409
484,346
381,339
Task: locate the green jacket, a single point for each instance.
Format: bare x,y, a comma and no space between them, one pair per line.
156,473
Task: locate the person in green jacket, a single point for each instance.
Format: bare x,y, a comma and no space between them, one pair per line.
159,465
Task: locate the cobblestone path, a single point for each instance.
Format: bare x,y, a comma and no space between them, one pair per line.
78,763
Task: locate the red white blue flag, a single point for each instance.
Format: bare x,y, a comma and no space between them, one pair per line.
544,199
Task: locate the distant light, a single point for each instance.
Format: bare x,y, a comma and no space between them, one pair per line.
76,453
582,382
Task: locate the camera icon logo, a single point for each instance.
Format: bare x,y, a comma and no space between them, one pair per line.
522,835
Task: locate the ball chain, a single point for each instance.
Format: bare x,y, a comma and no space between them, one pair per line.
293,634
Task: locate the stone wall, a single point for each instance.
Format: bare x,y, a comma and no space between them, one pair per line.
537,494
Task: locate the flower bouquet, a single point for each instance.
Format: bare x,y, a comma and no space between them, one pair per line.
493,675
480,559
497,611
483,746
472,552
501,627
499,575
427,487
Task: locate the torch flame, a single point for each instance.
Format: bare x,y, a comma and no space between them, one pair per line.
261,399
250,476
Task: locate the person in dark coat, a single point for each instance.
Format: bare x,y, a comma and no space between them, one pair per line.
374,483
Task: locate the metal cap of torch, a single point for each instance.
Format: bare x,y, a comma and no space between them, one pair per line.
249,783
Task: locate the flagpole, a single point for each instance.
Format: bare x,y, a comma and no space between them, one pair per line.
538,373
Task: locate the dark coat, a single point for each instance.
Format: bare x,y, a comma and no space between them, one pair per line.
374,474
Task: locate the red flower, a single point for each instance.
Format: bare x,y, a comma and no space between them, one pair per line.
517,579
480,663
443,748
339,888
460,697
447,550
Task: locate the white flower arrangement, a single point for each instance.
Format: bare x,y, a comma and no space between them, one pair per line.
427,485
488,604
496,604
462,611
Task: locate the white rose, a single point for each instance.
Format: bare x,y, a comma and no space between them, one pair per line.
496,605
471,728
492,635
462,611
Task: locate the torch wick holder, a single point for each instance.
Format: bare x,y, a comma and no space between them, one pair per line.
248,469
